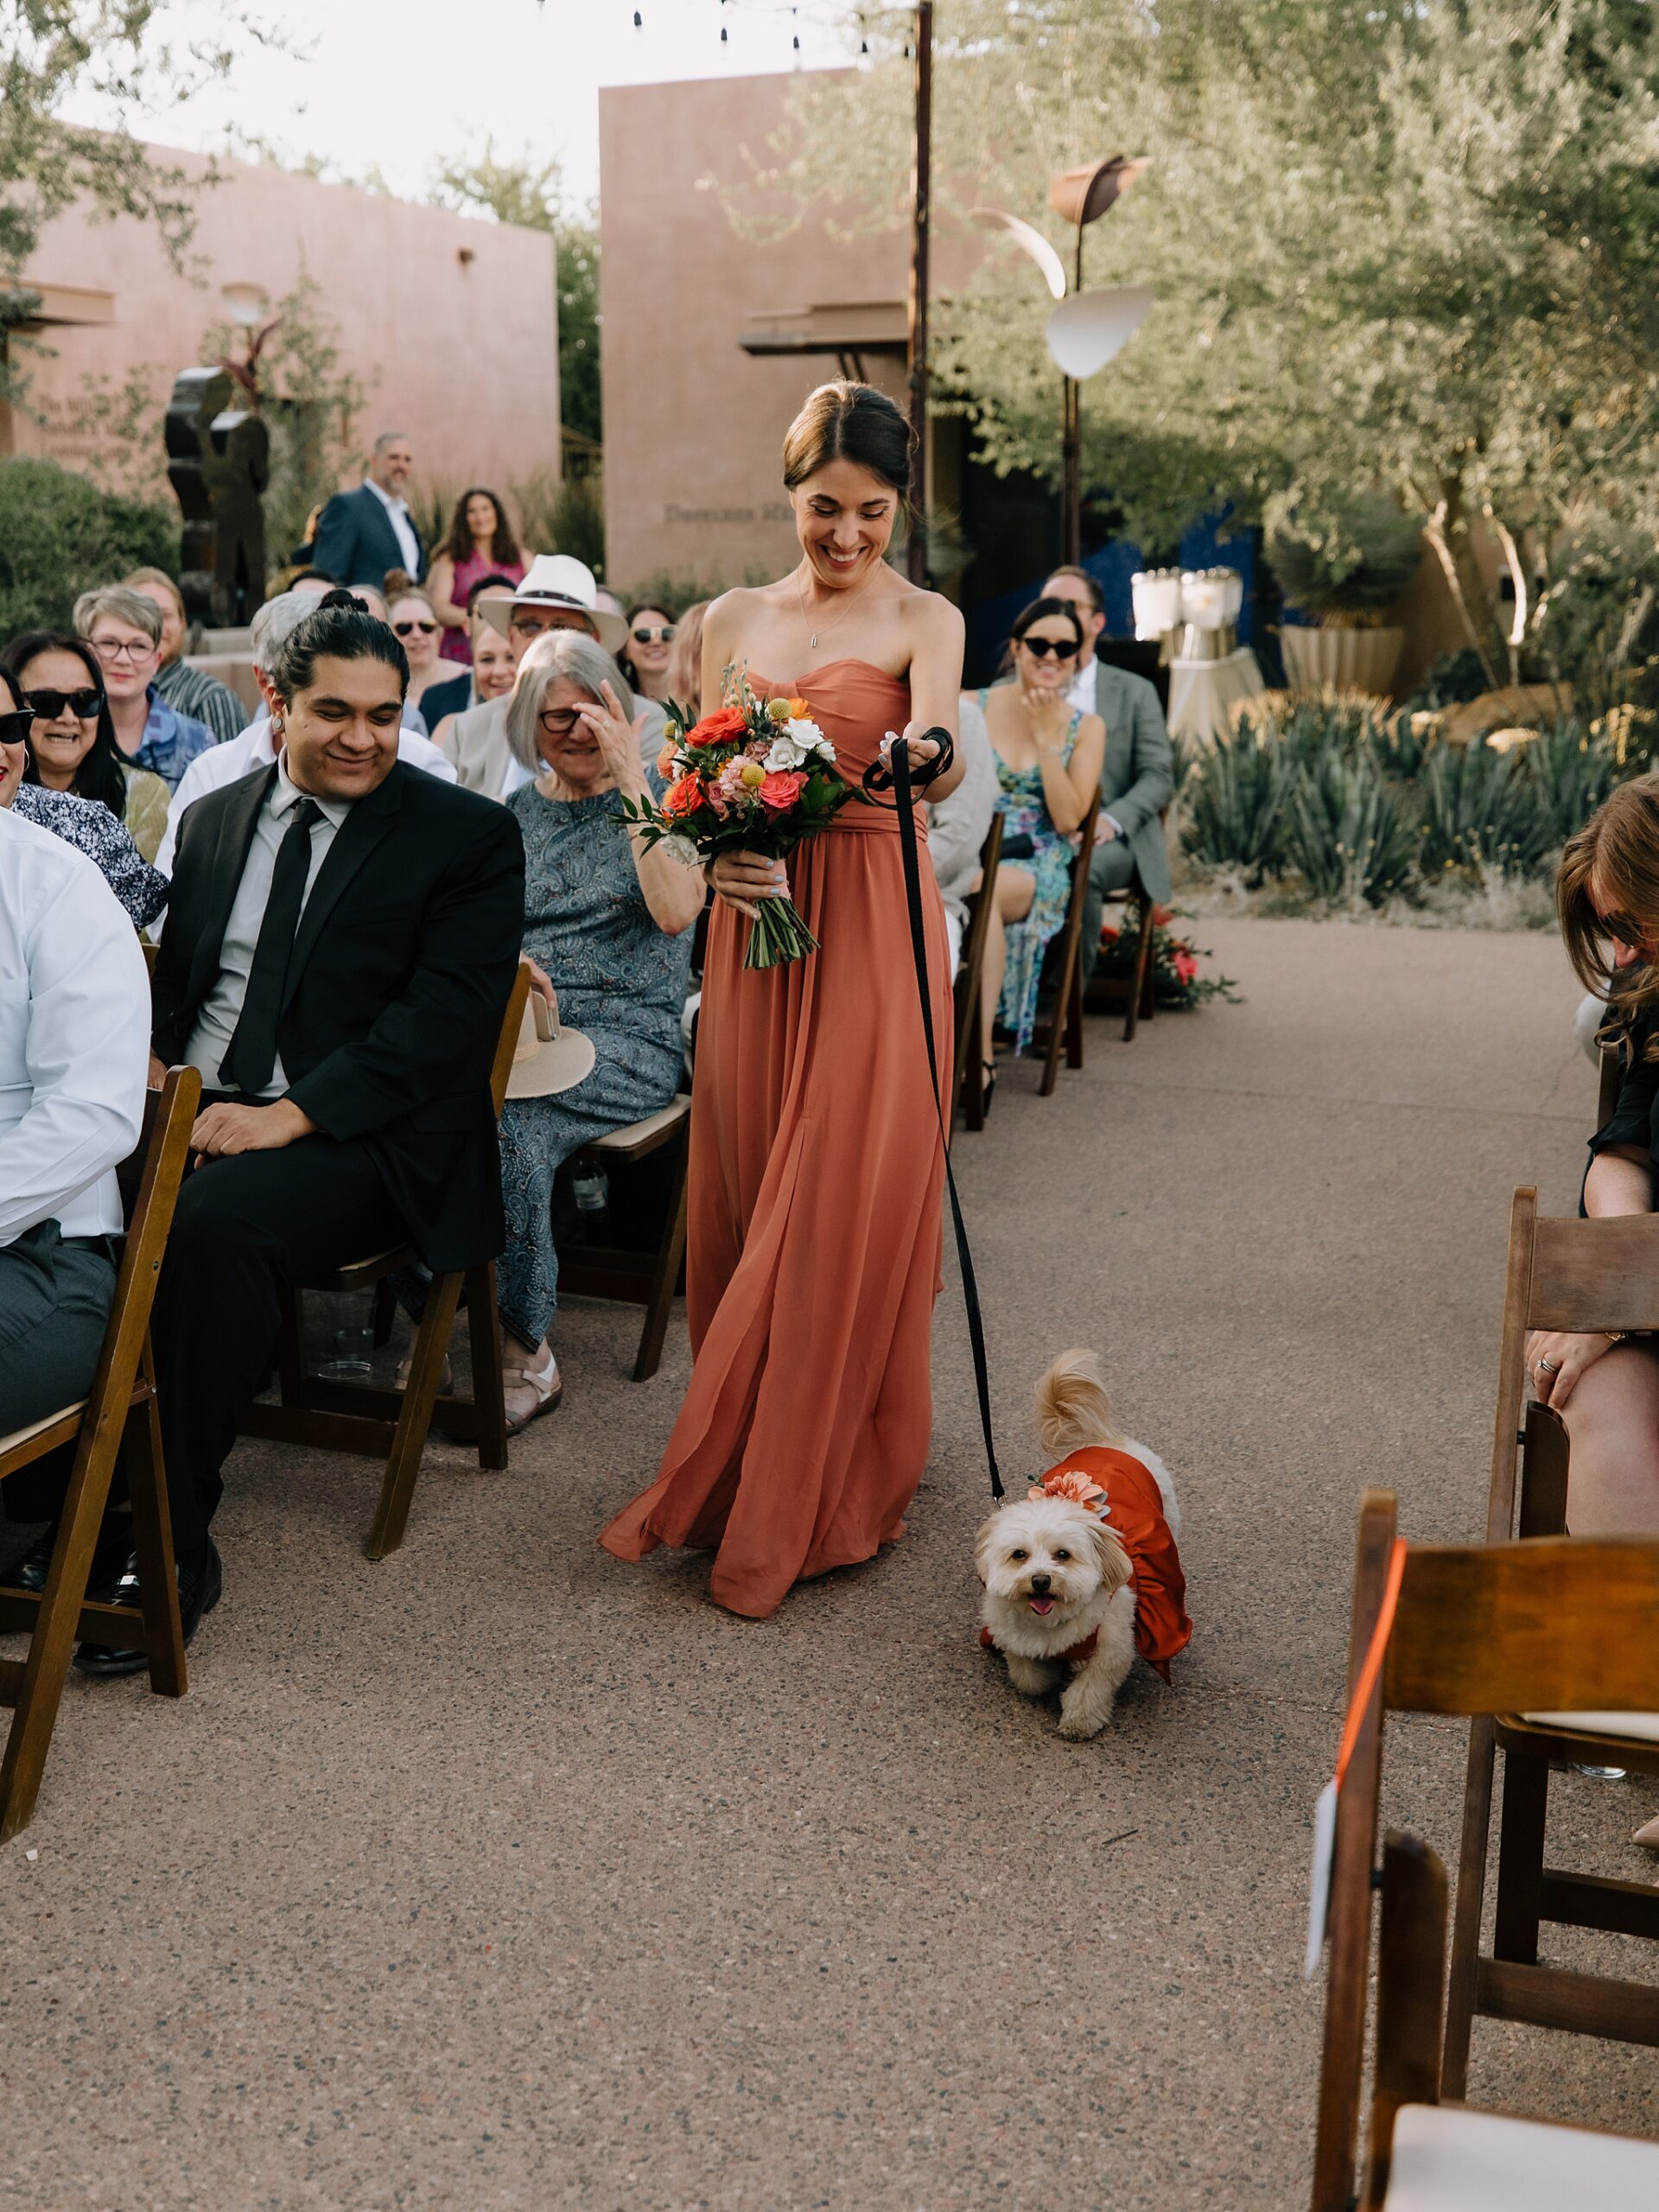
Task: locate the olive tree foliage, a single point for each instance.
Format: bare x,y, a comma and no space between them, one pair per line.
120,53
1410,245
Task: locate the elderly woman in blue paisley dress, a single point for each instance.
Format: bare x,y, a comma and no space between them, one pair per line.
607,922
1048,764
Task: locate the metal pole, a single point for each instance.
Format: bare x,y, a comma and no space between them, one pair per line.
916,318
1071,450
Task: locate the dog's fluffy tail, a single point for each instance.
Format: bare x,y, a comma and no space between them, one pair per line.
1074,1411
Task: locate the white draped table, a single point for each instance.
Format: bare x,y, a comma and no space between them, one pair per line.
1201,692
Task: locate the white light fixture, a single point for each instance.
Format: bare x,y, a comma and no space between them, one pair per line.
1087,331
246,304
1156,594
1030,240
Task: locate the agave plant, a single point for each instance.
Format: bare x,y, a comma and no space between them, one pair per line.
1235,798
1347,835
1482,812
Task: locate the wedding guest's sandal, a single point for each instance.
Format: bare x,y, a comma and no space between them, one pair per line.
531,1388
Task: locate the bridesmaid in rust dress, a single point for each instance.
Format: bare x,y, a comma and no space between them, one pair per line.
816,1163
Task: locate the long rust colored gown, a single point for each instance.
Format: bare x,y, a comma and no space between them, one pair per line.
817,1174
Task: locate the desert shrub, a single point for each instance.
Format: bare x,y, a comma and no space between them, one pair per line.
558,516
1235,798
59,536
1348,839
1450,681
1352,557
1481,810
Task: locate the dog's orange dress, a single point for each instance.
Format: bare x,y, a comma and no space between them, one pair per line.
1134,1508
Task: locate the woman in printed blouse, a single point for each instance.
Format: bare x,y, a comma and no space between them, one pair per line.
82,822
607,922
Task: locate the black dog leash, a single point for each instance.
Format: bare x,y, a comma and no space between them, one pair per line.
893,774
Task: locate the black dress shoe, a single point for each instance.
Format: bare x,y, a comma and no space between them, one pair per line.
113,1549
198,1593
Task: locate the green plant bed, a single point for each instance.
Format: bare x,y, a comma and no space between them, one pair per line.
1334,807
59,536
1177,983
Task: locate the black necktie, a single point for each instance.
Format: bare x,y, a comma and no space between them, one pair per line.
252,1054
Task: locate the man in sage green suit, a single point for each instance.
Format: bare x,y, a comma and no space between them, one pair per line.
1137,773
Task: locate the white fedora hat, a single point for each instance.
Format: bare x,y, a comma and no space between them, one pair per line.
559,579
547,1058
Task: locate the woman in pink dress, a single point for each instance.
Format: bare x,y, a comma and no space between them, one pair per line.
817,1160
480,543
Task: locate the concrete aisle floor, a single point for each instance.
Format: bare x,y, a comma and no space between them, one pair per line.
500,1875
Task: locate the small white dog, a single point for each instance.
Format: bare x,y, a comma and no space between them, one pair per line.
1057,1564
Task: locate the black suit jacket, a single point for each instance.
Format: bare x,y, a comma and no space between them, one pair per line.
402,968
356,544
451,698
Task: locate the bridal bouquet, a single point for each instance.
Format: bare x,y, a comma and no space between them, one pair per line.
756,776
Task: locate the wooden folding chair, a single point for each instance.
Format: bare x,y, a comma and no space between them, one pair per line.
646,1279
1581,1276
1479,1629
392,1425
121,1404
969,981
1141,999
1064,1027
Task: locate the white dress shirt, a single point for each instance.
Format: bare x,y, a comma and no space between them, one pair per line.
403,527
74,1036
222,1007
241,756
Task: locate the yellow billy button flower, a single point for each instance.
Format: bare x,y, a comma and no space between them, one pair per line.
780,709
754,774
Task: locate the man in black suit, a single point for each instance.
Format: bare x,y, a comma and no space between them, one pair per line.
364,533
341,946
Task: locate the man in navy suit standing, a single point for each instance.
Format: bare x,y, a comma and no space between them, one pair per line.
364,533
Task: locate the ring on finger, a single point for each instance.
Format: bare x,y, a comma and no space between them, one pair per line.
1546,1366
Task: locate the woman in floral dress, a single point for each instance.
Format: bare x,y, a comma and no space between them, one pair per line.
1048,764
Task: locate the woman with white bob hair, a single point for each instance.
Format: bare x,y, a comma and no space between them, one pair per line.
607,923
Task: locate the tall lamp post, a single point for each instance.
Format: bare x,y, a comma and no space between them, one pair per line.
1081,197
916,305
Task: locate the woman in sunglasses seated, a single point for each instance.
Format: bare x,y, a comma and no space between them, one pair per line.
1048,764
73,746
79,822
645,657
414,620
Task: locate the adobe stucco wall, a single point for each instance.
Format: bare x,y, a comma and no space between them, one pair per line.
450,324
693,425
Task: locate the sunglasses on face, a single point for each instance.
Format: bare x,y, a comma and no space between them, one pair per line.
426,629
645,635
14,727
48,705
1627,931
1040,648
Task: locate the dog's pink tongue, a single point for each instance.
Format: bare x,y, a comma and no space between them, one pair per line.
1042,1605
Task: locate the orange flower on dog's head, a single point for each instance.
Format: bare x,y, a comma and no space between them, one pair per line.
1068,1482
683,797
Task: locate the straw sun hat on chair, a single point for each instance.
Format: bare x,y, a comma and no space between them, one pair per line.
547,1058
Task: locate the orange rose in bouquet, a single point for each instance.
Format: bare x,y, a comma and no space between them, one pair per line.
755,776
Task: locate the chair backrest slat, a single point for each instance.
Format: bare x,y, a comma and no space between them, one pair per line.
508,1042
1556,1623
1595,1274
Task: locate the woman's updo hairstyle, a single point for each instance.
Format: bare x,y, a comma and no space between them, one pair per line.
339,630
845,421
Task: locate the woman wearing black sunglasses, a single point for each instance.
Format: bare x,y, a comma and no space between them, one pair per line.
1048,764
72,744
81,822
649,649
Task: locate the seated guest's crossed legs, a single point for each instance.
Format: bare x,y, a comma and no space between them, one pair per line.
246,1227
1112,869
1612,1425
56,1295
